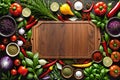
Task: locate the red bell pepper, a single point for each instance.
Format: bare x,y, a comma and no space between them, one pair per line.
100,8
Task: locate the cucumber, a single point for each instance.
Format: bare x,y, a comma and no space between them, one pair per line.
26,12
54,7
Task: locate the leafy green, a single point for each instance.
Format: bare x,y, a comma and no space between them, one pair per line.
39,8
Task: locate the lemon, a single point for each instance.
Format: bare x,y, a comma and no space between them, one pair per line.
107,61
54,7
26,12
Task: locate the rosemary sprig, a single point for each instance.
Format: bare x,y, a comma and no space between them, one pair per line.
39,6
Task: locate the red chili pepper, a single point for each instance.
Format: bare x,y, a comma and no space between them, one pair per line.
31,24
60,17
50,64
45,73
30,19
22,38
90,9
104,44
69,3
114,10
61,62
23,51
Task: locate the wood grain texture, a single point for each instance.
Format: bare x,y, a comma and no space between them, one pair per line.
56,39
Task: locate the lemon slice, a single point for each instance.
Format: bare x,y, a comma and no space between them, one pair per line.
107,61
54,7
26,12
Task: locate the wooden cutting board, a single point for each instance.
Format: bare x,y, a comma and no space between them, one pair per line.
69,39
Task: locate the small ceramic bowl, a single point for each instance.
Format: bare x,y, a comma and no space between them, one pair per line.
78,74
67,71
8,26
12,49
113,27
97,56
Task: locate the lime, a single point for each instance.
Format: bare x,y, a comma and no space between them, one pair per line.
107,61
26,12
54,7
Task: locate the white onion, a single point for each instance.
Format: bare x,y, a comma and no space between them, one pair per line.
21,31
20,43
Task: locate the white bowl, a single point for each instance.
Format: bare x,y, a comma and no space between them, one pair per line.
13,54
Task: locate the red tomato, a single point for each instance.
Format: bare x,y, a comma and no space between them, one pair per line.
114,44
115,56
100,8
15,9
17,62
114,71
2,47
13,38
22,70
14,72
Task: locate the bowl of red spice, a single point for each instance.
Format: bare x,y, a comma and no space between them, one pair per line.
97,56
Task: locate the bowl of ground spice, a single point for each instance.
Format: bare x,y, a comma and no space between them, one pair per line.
12,49
8,26
97,56
67,71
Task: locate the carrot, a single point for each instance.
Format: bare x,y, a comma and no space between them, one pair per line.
31,24
50,64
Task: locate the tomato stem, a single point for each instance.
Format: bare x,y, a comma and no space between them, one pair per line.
115,71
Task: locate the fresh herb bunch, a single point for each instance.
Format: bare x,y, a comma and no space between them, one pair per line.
39,8
4,6
7,76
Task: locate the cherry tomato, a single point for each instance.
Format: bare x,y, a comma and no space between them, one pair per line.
13,38
14,72
114,71
22,70
115,56
2,47
15,9
17,62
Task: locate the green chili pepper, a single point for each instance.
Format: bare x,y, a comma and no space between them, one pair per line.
86,74
87,78
29,34
77,14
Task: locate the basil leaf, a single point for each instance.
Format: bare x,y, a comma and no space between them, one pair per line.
29,62
35,59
